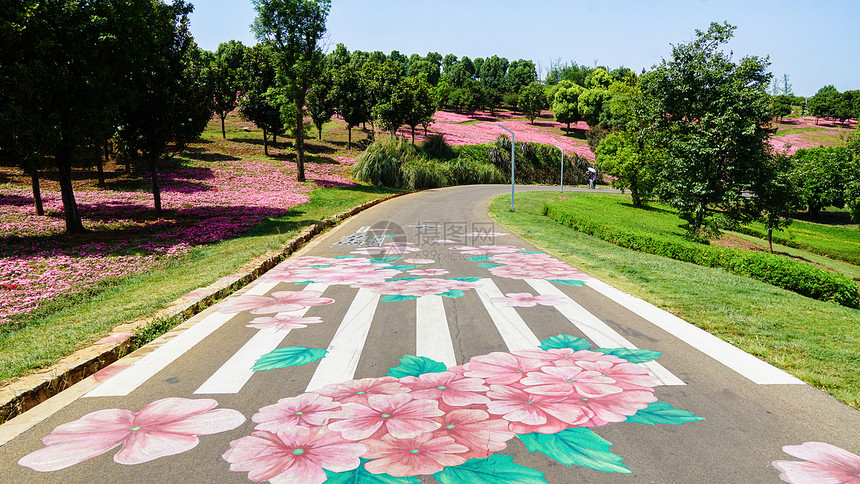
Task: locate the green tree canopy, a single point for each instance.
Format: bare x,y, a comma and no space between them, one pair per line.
294,29
710,118
531,101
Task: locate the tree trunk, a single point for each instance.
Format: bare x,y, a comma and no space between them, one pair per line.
568,126
770,239
300,138
319,130
349,137
156,188
223,131
100,166
413,135
63,160
265,142
37,192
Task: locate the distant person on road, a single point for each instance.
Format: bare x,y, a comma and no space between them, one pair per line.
592,179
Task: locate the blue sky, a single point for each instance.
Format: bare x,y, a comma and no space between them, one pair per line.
815,43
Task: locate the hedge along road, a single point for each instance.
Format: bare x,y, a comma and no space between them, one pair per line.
420,341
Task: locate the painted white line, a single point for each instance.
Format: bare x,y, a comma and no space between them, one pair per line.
236,371
733,357
149,365
345,348
433,339
512,328
598,331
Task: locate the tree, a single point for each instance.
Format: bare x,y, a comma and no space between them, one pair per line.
231,54
493,72
820,176
623,155
392,99
565,102
520,74
591,104
65,67
780,106
321,104
338,58
420,106
294,29
223,81
174,102
531,101
349,98
710,117
824,103
257,81
777,197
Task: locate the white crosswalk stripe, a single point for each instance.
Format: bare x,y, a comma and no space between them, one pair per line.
731,356
348,342
149,365
233,375
433,337
514,331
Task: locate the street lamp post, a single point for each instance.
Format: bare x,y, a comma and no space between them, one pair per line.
513,144
562,167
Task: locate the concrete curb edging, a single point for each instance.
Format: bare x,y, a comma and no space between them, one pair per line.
30,390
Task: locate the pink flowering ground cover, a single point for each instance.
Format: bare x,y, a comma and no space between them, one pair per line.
480,128
204,201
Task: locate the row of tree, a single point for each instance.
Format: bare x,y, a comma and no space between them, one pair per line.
694,132
76,76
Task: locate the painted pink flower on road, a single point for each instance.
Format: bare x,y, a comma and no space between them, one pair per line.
304,410
278,302
419,261
284,322
401,415
526,300
293,455
501,368
452,389
418,287
413,456
164,427
114,338
358,391
528,412
618,406
569,381
477,430
823,463
109,372
428,272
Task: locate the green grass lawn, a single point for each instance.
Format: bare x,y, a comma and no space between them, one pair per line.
841,242
816,341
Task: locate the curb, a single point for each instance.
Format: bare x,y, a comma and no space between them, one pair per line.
30,390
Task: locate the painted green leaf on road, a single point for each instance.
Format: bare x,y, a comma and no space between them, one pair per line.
382,260
288,356
568,282
577,446
565,341
396,297
632,355
453,293
401,268
465,279
492,470
416,365
488,265
663,413
478,258
361,476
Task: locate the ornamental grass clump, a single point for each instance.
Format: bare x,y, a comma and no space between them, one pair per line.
381,163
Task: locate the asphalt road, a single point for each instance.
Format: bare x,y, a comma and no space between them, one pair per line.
420,339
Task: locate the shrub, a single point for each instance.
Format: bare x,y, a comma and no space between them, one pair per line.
421,174
795,276
380,164
436,147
